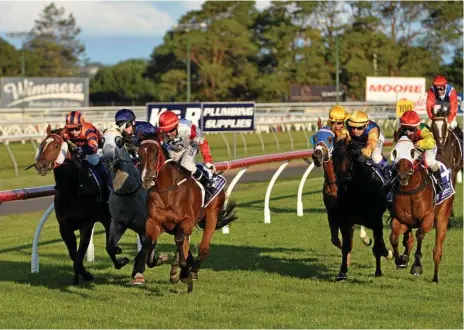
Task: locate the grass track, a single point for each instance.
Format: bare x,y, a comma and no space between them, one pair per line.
260,276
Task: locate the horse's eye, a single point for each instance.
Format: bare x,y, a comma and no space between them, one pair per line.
413,153
102,140
118,141
394,154
57,146
330,139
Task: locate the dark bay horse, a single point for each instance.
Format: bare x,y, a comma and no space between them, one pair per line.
362,201
174,205
414,207
76,206
323,142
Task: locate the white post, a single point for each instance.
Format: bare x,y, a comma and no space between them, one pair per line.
459,177
261,140
244,143
225,229
91,248
267,211
227,143
35,241
15,164
276,140
299,207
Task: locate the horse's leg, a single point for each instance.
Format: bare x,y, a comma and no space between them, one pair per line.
379,249
69,238
397,229
363,236
113,235
86,234
334,227
425,227
210,226
174,275
152,231
441,228
408,243
347,235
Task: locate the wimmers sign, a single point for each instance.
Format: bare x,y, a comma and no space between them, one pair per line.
209,116
392,89
16,92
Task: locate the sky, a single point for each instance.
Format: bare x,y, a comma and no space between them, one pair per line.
112,31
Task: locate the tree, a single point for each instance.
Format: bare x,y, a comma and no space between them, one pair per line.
10,59
54,39
123,82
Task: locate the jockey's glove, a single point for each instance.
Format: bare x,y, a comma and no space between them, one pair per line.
211,167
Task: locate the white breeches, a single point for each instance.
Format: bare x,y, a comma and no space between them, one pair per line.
185,157
431,159
377,153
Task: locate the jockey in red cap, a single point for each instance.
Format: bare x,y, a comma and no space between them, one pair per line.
442,92
183,139
422,137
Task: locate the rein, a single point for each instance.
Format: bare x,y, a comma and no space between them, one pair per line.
416,190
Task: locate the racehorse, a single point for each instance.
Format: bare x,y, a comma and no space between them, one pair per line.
77,202
449,146
362,201
175,205
128,199
323,146
414,207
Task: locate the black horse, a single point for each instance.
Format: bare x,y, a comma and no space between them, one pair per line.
362,201
78,200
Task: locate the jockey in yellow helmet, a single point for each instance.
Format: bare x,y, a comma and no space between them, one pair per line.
367,132
337,117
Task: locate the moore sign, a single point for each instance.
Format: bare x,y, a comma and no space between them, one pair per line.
44,92
392,89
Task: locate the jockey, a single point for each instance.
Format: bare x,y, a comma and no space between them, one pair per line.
182,140
134,132
422,138
365,131
86,137
336,122
444,92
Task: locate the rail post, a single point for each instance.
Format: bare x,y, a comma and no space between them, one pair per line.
267,210
299,206
238,176
35,241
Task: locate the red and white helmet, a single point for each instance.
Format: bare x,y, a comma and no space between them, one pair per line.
168,120
410,118
440,81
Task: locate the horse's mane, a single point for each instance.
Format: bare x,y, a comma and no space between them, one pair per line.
57,131
175,164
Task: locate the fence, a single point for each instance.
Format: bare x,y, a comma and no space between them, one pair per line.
243,164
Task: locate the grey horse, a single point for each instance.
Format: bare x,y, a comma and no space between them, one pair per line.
127,202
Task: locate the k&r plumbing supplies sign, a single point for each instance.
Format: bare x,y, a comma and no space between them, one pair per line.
16,92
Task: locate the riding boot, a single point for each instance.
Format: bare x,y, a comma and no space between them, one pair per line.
386,171
205,181
106,178
437,176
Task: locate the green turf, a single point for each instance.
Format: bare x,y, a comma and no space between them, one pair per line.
279,275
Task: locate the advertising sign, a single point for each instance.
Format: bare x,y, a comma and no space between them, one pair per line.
210,116
392,89
17,92
228,117
459,102
189,111
316,93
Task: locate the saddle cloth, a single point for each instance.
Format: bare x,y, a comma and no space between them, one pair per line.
218,182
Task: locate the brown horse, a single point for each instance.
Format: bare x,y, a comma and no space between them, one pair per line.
174,205
76,203
413,207
448,144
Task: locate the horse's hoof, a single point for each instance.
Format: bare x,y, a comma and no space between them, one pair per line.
367,241
174,279
378,274
138,279
87,276
194,276
337,243
122,262
435,279
117,250
162,258
401,266
342,277
389,256
190,286
416,270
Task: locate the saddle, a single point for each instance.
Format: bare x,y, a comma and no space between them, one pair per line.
210,187
90,183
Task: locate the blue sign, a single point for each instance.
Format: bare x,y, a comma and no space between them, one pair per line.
189,111
211,116
228,117
459,102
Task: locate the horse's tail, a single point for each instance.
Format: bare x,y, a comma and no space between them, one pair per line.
225,216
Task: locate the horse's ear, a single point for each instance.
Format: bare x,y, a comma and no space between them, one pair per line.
319,123
49,129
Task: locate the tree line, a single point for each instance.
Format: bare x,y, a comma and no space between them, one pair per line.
237,52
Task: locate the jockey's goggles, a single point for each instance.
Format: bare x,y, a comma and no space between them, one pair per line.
127,123
409,128
172,130
339,123
77,128
360,128
441,88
